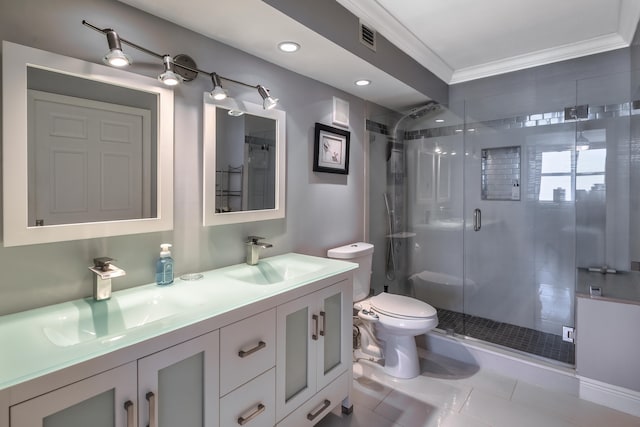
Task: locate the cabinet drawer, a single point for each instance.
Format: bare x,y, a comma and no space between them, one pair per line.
319,405
247,348
252,405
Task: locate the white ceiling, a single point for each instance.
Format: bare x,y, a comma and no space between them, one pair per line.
458,40
461,40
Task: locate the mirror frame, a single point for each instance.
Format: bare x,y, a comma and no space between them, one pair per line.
15,60
209,215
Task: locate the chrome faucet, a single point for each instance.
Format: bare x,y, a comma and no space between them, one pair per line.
104,272
253,249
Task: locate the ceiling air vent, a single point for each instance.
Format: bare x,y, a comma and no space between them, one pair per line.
368,36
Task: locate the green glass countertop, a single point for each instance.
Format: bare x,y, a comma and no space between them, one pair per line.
43,340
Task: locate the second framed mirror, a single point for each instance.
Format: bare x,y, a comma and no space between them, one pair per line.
244,162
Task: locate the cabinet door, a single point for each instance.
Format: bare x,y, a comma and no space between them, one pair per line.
335,336
179,386
104,400
297,325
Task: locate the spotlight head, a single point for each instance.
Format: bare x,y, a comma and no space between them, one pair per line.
217,92
169,77
115,57
268,102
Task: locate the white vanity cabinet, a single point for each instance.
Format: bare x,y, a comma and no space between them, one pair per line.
104,400
269,355
176,386
314,342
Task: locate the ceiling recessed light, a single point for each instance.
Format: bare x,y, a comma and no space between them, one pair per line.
363,82
439,120
288,46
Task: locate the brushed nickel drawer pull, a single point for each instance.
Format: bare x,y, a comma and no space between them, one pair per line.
260,409
314,336
311,416
260,346
128,406
151,398
324,323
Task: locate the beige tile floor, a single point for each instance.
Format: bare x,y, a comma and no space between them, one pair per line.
451,394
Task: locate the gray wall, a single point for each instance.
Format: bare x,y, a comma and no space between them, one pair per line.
323,210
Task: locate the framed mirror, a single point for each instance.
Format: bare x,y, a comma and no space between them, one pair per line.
87,149
244,162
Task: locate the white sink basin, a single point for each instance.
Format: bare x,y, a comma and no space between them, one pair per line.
108,321
272,271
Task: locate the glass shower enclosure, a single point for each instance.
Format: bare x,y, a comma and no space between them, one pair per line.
489,208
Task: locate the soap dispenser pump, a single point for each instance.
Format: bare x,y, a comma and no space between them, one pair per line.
164,266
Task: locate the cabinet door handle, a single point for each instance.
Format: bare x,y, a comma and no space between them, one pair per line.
151,398
324,323
260,409
314,336
312,415
260,346
128,406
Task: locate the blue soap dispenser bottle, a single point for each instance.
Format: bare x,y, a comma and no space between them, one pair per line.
164,266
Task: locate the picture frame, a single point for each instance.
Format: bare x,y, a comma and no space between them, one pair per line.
331,150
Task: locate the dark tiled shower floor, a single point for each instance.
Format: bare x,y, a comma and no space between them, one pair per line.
516,337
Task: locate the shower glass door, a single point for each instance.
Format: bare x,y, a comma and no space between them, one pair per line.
519,239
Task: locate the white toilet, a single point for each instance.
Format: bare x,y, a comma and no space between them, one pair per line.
397,319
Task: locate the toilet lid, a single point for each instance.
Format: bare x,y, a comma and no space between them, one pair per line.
401,306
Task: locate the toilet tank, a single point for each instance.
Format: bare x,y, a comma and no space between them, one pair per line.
361,253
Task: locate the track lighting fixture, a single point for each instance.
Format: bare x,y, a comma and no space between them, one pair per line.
217,92
268,102
115,57
177,69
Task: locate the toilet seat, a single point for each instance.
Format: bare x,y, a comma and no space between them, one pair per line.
402,307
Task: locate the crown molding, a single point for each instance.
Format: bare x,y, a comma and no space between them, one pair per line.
628,20
541,57
372,13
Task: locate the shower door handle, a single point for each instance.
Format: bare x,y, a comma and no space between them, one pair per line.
477,220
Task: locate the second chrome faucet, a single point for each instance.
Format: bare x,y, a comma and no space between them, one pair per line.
253,249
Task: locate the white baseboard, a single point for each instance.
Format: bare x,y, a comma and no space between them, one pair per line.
615,397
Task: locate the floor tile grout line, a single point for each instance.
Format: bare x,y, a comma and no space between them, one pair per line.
513,390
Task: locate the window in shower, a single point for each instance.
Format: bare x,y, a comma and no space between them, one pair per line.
556,184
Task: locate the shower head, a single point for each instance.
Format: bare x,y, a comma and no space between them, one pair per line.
423,110
418,112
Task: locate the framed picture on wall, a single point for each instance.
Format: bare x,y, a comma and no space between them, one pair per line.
331,150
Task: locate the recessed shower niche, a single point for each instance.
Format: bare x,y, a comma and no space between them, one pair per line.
500,173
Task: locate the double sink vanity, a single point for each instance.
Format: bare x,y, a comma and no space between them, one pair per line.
89,154
258,345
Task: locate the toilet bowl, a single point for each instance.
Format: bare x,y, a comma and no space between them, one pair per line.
395,319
